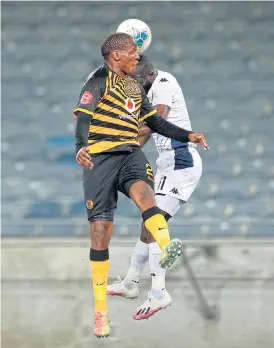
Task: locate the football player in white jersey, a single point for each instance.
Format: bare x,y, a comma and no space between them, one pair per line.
179,169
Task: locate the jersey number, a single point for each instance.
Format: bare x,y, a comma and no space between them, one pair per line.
161,183
149,172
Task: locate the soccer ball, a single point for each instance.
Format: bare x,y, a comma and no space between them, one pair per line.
139,31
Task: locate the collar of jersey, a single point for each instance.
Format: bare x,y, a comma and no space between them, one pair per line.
108,69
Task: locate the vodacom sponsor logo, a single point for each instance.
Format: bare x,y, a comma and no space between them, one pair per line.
130,105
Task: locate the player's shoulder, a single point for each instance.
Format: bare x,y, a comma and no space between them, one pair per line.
164,83
97,77
165,78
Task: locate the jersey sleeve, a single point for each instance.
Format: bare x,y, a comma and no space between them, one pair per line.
90,95
147,109
162,94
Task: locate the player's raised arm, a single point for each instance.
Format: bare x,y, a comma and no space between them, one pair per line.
145,74
144,134
159,125
162,99
145,131
89,98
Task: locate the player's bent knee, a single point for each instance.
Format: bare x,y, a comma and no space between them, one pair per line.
100,229
142,194
98,255
100,233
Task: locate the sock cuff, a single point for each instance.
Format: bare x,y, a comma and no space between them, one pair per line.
98,255
154,248
151,212
141,248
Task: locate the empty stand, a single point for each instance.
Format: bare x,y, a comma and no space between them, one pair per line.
223,58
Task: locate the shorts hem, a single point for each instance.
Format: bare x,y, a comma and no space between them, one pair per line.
107,215
162,193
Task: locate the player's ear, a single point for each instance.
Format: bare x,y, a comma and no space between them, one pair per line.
116,55
151,76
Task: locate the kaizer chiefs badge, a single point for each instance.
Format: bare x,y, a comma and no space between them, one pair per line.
89,204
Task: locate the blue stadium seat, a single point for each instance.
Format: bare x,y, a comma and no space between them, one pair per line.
58,230
67,158
220,54
44,209
18,231
257,231
78,209
126,208
61,141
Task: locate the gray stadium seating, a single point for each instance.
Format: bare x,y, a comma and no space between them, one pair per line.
222,56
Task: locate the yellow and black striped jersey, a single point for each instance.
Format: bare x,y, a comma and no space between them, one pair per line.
116,105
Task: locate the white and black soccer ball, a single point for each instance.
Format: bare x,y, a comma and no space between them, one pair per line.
139,31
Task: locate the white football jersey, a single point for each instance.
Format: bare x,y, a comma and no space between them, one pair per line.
166,90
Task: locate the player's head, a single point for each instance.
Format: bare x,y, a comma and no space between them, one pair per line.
145,73
120,52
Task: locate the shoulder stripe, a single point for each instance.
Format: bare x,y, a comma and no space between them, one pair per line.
82,110
144,117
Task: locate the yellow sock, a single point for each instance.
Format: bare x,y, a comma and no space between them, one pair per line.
99,274
157,226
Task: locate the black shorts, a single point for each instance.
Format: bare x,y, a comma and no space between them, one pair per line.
112,173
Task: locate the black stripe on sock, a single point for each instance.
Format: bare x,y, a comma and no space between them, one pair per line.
150,212
167,216
98,255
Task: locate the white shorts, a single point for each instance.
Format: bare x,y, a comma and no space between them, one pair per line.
174,187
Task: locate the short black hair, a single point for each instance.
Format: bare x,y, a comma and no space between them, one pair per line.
145,65
143,71
114,42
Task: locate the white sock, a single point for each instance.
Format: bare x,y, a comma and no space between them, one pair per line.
138,261
158,273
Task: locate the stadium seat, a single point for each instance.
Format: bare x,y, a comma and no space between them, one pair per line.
221,56
78,209
44,209
126,208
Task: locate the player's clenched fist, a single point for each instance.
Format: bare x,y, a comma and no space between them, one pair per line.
83,158
199,139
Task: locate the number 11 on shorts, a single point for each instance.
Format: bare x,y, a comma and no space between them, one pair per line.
161,183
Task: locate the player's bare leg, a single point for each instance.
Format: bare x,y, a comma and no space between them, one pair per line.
100,234
143,196
158,298
128,288
154,226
